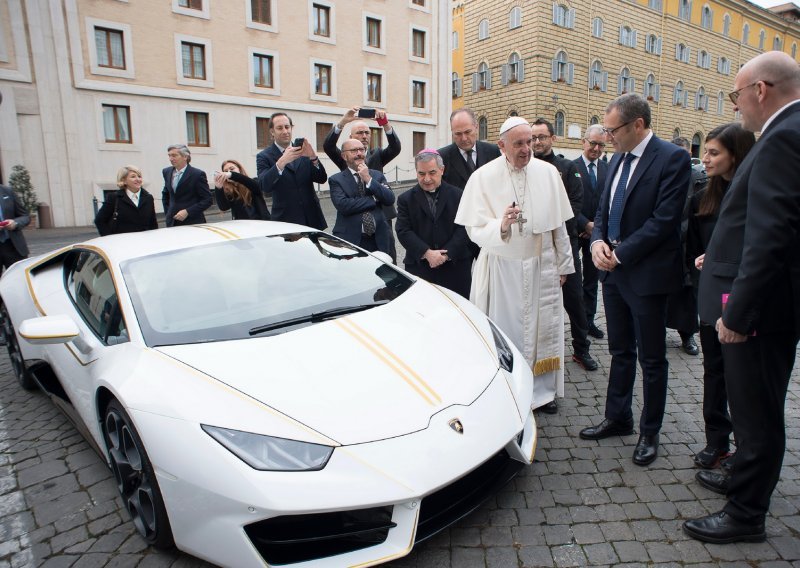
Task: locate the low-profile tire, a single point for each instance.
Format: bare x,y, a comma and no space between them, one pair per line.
21,371
135,477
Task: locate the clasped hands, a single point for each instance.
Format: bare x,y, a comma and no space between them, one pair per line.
603,257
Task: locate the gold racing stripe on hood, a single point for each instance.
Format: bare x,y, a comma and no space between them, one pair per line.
391,360
224,233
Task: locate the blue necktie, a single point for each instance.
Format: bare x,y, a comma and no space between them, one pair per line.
615,215
592,176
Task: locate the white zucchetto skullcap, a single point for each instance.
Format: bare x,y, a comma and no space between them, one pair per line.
512,122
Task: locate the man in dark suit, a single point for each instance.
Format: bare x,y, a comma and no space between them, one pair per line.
754,258
636,245
436,248
288,173
466,153
186,193
13,218
376,159
357,193
593,176
572,290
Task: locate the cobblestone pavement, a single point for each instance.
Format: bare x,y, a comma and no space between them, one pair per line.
581,503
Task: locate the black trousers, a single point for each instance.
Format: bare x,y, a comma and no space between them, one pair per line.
368,242
757,376
8,254
636,328
715,396
589,281
572,292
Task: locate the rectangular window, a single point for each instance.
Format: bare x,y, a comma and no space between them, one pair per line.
375,137
418,141
197,128
322,131
322,79
373,32
192,4
418,44
261,11
262,132
419,94
116,123
418,2
110,50
322,20
262,71
194,60
374,87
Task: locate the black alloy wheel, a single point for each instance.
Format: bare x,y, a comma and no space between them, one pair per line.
135,477
22,373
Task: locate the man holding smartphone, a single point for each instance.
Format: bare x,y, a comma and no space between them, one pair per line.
288,170
376,159
13,218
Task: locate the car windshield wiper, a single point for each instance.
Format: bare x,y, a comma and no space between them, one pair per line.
316,317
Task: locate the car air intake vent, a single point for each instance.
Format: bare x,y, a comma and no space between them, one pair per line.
300,538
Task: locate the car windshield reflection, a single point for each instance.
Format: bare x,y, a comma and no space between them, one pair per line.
225,290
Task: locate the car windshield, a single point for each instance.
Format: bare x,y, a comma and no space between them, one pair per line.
257,286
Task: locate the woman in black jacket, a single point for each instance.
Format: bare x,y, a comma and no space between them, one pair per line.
726,147
241,194
130,209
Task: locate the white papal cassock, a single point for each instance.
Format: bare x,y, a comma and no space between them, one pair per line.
515,281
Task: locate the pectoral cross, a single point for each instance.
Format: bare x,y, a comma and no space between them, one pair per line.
521,220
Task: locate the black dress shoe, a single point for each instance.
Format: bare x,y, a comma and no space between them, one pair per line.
606,429
710,457
721,528
714,481
596,332
727,464
585,360
549,408
689,346
646,450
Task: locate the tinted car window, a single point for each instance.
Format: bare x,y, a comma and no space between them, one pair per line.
225,290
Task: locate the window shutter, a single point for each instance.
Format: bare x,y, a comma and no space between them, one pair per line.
656,92
570,73
554,72
686,98
604,86
675,95
504,72
622,35
633,85
697,99
678,52
488,78
687,55
458,87
475,82
658,46
521,70
571,18
633,38
555,13
620,81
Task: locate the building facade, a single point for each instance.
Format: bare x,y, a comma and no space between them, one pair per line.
566,60
91,85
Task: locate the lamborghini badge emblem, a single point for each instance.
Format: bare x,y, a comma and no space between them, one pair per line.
457,426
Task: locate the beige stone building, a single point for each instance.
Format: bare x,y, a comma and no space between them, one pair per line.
91,85
565,60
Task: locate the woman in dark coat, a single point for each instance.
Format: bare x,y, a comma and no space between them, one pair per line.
130,209
726,147
241,194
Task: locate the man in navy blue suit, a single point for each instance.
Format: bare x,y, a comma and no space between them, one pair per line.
288,173
359,194
593,176
636,245
186,193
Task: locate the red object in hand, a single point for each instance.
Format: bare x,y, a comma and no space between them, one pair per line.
4,223
382,121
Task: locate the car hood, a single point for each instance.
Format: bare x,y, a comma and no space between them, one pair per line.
364,377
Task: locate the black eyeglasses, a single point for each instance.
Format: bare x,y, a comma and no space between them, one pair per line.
596,144
734,95
611,131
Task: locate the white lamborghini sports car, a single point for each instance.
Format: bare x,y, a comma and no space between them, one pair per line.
267,394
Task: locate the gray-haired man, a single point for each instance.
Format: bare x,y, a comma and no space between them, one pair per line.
186,192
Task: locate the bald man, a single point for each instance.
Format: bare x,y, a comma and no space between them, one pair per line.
757,281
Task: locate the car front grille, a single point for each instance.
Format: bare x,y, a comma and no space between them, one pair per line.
300,538
441,509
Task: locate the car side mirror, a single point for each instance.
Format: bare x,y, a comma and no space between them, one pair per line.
48,330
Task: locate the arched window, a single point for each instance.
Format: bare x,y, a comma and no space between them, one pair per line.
515,18
746,33
707,18
558,124
679,94
655,5
726,25
483,128
484,77
627,36
685,10
598,79
597,27
794,51
650,88
720,102
682,53
456,82
776,44
701,99
562,71
696,144
703,59
483,29
514,70
676,133
594,120
626,82
563,16
724,66
653,44
762,37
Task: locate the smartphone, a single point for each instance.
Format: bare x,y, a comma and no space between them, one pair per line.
298,142
366,113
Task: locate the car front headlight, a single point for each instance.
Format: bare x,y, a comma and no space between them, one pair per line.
266,453
505,357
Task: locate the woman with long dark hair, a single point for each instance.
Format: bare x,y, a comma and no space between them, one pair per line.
237,192
128,210
726,147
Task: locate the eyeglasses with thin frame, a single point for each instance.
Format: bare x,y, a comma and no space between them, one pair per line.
541,138
611,131
734,95
594,144
355,150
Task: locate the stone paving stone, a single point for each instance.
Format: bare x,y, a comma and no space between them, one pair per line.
631,551
496,536
787,547
536,557
467,556
570,555
59,562
466,536
51,511
501,557
64,540
662,552
587,534
557,534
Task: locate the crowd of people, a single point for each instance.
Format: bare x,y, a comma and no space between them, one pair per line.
526,235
